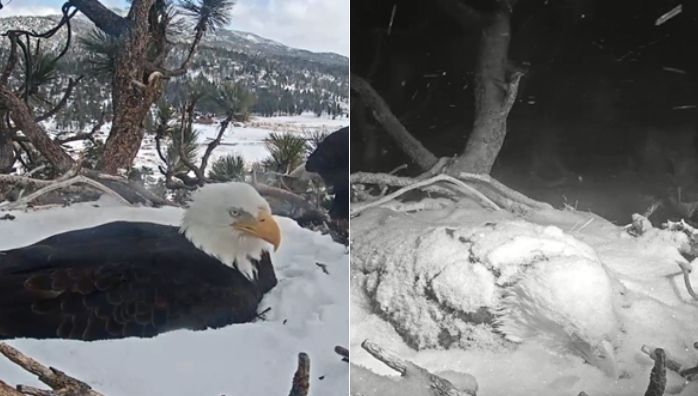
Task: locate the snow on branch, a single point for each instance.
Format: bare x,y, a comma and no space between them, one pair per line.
413,380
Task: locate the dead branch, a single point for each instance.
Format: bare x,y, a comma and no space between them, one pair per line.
60,382
690,373
504,192
23,180
413,380
658,375
7,390
402,137
462,187
217,141
385,179
84,135
57,185
289,204
343,352
72,83
301,380
24,120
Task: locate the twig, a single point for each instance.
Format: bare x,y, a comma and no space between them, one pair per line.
464,188
687,280
301,380
397,169
323,267
59,381
56,185
395,181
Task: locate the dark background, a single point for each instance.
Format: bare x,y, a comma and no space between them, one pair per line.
605,117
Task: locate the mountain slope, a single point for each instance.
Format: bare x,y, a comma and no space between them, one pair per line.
284,79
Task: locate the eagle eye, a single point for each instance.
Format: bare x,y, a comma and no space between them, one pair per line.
234,212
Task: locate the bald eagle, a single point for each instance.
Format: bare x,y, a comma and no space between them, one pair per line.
125,279
331,161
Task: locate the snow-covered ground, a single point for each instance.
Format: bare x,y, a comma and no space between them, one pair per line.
309,313
246,140
418,279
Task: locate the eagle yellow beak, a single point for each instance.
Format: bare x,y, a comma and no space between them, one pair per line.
263,227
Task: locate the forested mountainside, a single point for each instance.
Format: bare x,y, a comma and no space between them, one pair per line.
283,80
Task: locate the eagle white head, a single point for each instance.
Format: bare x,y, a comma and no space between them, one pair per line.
232,222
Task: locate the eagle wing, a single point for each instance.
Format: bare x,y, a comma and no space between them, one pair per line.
121,280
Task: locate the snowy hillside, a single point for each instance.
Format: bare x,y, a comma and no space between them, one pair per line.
283,79
457,289
309,313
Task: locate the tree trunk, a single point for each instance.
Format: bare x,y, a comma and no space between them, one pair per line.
491,91
24,120
7,151
129,101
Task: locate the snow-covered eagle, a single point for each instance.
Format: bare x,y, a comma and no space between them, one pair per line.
125,279
465,286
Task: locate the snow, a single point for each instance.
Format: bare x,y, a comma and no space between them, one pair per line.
245,140
424,283
309,314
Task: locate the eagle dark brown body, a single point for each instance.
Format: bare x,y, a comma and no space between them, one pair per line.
122,279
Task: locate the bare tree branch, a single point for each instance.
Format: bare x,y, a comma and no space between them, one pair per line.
104,18
413,380
23,119
462,187
72,83
59,381
402,137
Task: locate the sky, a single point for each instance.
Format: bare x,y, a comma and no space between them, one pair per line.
316,25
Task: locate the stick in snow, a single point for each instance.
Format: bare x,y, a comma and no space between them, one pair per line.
413,380
60,382
658,376
301,380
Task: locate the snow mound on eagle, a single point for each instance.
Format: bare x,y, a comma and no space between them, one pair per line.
446,286
309,313
405,309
